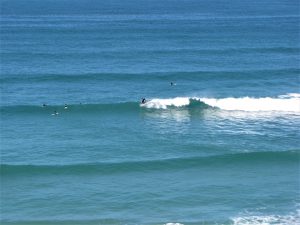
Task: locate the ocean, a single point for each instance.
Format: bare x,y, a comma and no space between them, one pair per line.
215,143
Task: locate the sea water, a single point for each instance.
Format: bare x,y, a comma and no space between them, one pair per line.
220,145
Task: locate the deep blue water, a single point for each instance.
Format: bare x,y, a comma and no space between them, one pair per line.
220,146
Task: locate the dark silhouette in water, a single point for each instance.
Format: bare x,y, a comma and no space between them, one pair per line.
143,100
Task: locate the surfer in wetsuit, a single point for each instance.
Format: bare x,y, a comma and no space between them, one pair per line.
143,100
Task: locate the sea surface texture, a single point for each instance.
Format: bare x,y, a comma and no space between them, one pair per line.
218,145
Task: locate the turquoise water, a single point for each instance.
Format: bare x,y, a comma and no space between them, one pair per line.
220,146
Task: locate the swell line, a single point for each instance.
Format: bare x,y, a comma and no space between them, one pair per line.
134,17
164,76
141,51
72,108
227,160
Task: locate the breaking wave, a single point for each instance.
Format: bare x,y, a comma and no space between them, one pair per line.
164,103
284,103
289,103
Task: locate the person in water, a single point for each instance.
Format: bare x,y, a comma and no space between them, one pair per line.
143,100
66,106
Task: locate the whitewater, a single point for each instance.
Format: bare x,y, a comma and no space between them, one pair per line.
284,103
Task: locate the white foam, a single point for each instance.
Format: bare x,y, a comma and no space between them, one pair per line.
283,103
267,220
290,95
255,104
164,103
173,224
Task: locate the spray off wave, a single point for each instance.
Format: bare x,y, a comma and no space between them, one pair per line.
284,103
